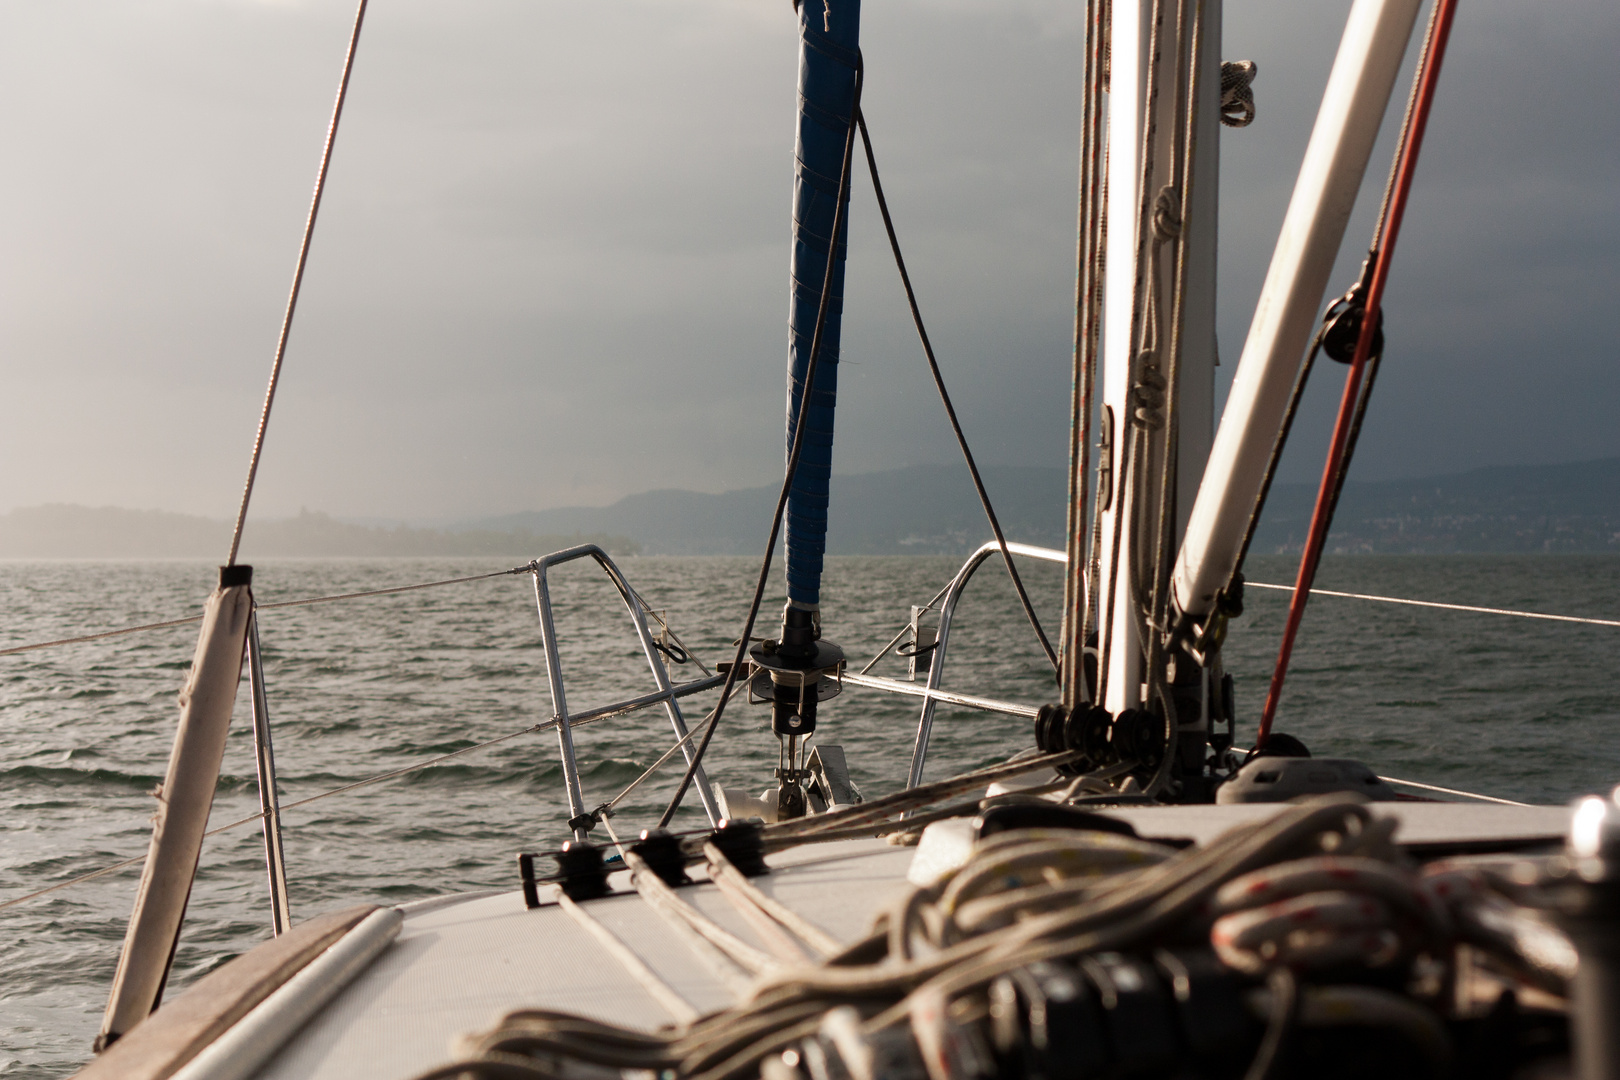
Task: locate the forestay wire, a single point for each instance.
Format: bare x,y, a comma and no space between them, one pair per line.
297,283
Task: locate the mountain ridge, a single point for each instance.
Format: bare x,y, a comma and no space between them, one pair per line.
924,509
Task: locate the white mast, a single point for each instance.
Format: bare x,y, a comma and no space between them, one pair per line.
1127,255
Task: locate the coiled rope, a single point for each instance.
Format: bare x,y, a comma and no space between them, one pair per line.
1090,894
1237,92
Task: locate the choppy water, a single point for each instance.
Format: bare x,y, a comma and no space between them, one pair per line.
1515,708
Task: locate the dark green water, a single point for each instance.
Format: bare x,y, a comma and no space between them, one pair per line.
1516,708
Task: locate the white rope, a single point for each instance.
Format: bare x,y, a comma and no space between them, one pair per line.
738,888
1443,607
774,936
659,990
1453,791
662,899
731,973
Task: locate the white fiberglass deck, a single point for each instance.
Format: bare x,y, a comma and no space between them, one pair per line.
460,963
458,966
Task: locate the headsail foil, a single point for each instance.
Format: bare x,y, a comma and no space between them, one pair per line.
829,42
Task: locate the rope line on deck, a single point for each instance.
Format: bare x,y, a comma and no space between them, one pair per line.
659,990
737,888
1443,607
733,961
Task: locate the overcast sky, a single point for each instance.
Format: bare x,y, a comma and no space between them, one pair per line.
551,267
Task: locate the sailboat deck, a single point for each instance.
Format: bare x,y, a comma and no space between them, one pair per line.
457,966
461,962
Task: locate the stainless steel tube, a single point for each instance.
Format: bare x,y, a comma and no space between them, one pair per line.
264,759
947,608
665,693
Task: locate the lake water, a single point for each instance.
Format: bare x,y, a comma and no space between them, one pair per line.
1516,708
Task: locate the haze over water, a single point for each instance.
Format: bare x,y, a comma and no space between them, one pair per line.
1515,708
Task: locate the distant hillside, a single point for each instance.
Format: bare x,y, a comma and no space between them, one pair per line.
82,532
1573,507
921,510
933,510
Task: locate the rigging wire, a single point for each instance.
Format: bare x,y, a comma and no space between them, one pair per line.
302,602
1178,203
1443,607
366,782
1353,404
1079,587
800,425
655,766
1295,396
297,283
945,397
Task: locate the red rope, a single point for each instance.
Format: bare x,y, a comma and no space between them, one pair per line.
1428,75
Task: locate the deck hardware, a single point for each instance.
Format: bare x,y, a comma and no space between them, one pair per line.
919,652
531,888
662,850
743,843
796,673
829,781
582,874
580,820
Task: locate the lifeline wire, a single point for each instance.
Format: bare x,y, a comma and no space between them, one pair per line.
368,781
261,607
944,395
840,209
1453,791
532,729
298,281
1443,607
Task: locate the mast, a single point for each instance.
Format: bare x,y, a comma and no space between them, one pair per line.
1143,419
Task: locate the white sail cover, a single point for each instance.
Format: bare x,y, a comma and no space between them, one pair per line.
184,802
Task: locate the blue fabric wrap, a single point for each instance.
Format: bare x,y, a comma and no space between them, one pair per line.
829,39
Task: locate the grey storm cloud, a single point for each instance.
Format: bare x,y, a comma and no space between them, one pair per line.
552,262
